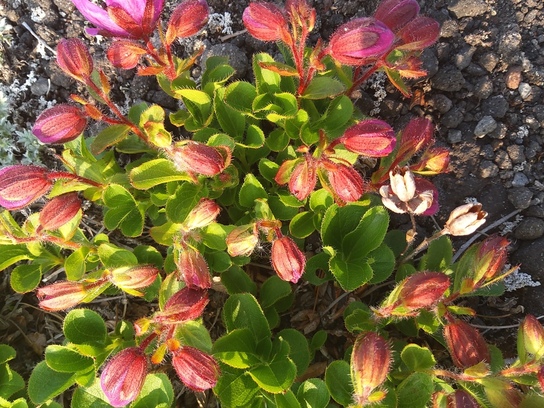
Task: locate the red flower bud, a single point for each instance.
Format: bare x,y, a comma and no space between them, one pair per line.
131,278
371,137
461,399
266,22
423,289
198,371
287,260
465,343
491,257
344,182
61,295
395,14
360,41
203,214
300,12
123,376
186,304
418,34
60,124
531,334
59,211
434,160
193,269
125,54
465,219
21,185
370,363
187,19
417,134
195,157
242,240
303,178
74,58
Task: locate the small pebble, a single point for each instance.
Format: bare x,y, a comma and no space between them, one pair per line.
467,8
513,77
520,180
520,197
524,90
488,169
486,125
503,160
455,136
530,228
516,153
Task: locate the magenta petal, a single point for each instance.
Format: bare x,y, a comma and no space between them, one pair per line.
100,18
396,13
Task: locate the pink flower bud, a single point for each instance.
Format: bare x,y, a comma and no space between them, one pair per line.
195,157
193,269
198,371
21,185
461,399
130,278
423,289
123,376
266,22
203,214
301,13
395,14
242,240
418,34
465,343
187,19
465,219
371,137
360,41
417,134
370,363
61,295
531,333
186,304
59,211
125,54
490,259
344,182
60,124
74,58
303,178
287,260
434,160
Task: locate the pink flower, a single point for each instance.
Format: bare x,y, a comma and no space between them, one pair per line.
395,14
21,185
372,137
60,124
242,240
73,58
61,295
420,33
59,211
198,371
123,377
122,18
266,22
187,19
202,215
360,41
287,260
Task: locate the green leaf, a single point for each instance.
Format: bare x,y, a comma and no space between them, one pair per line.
337,379
7,353
122,211
90,397
66,360
340,221
83,326
254,138
232,121
415,391
318,263
268,169
337,116
369,234
240,95
321,200
193,333
281,210
164,234
11,254
382,262
266,81
251,190
198,103
417,358
313,393
108,137
238,349
277,140
155,172
237,281
75,265
350,274
273,290
323,87
214,236
157,392
45,383
299,351
183,201
276,376
302,224
115,257
235,388
438,256
243,311
25,278
397,81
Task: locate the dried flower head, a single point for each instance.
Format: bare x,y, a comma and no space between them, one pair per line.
465,219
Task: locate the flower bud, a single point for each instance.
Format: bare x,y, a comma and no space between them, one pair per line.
202,215
123,376
501,393
370,363
197,370
61,295
490,259
131,278
423,289
417,134
266,22
193,269
418,34
301,13
465,343
465,219
371,137
303,178
195,157
186,304
187,19
345,183
395,14
461,399
242,240
360,41
74,58
434,160
59,211
531,334
21,185
125,54
60,124
403,184
287,260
